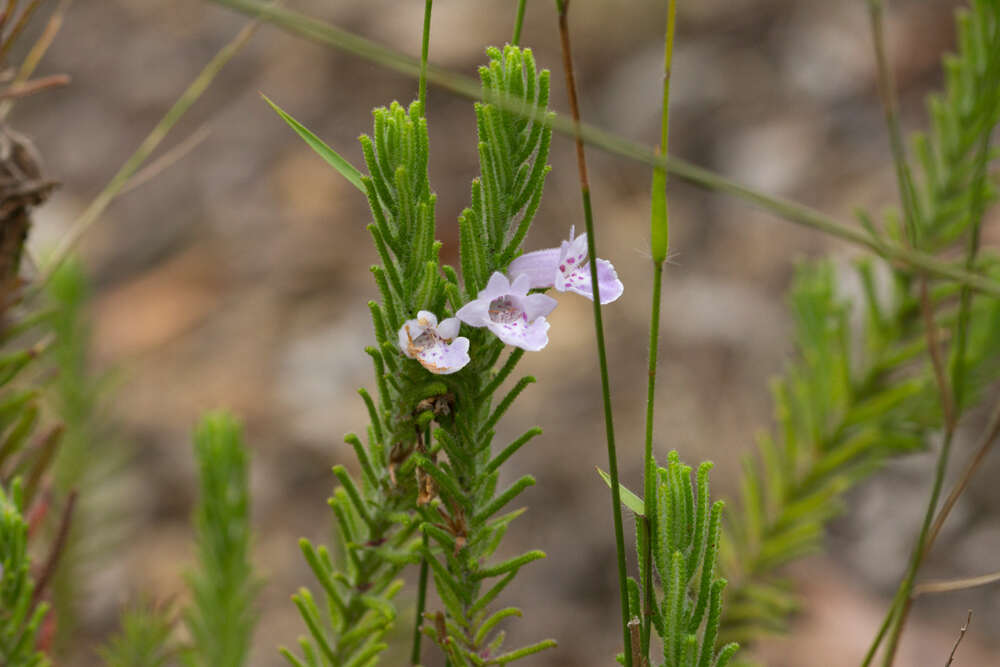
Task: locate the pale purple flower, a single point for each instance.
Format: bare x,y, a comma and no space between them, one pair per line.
516,317
566,268
437,347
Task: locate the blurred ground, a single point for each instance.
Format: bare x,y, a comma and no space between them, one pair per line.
239,278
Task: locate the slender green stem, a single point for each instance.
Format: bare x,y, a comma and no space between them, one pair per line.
951,401
985,444
887,92
794,212
896,616
424,45
422,580
421,604
588,215
609,428
649,482
518,23
660,244
880,635
649,598
917,556
951,397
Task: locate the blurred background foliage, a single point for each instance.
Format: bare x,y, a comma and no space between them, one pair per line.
239,277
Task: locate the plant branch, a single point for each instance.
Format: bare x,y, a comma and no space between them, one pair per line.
937,361
18,28
961,635
424,45
421,604
422,580
950,585
518,23
887,93
616,507
37,51
660,243
985,444
19,90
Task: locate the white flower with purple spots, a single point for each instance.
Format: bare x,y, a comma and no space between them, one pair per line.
566,268
437,347
516,317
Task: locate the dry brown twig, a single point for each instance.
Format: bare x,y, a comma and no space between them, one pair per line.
949,585
19,90
961,634
985,444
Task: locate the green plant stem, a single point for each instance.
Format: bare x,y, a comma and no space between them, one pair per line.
649,598
794,212
660,244
896,617
424,46
518,23
880,635
649,469
951,401
609,428
917,557
989,437
887,93
421,605
951,397
898,613
588,215
422,580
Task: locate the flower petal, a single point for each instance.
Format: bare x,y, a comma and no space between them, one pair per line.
497,286
410,330
579,281
538,305
540,266
427,319
445,358
520,285
531,336
574,252
448,328
475,313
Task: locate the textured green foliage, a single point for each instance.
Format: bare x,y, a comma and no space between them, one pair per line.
954,187
224,586
427,472
861,387
403,207
513,150
374,515
468,520
850,400
684,543
142,641
20,616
